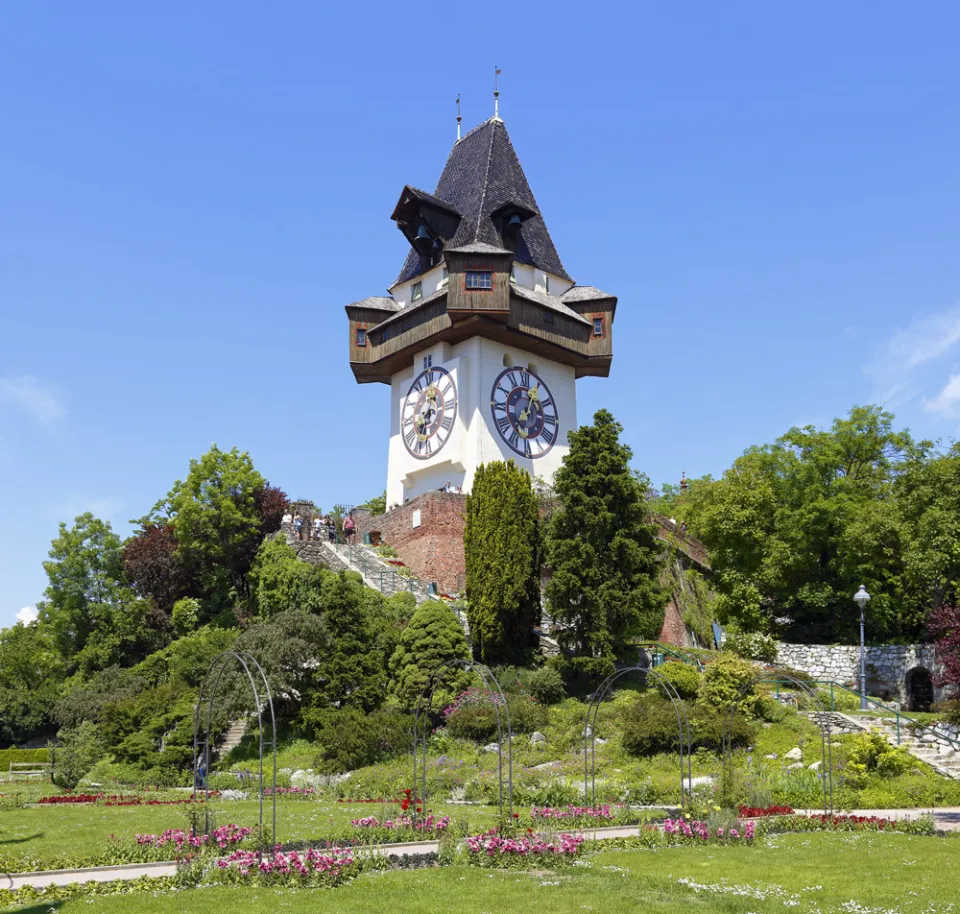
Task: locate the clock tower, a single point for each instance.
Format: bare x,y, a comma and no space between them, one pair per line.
484,333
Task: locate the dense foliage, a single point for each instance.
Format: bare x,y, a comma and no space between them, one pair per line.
433,639
795,527
604,590
502,549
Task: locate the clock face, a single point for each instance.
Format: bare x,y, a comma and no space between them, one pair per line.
429,411
524,412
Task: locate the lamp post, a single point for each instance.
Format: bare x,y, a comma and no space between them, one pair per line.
862,598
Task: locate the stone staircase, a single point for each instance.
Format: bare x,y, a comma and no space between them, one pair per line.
927,744
232,738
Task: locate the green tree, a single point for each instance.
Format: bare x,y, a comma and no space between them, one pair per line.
605,559
794,527
433,637
377,504
94,618
220,514
30,674
503,554
78,750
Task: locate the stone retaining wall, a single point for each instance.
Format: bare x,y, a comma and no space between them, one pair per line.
889,666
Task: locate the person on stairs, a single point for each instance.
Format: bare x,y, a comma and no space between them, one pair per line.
349,528
317,526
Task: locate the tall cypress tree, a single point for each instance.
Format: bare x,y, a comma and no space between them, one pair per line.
602,549
502,545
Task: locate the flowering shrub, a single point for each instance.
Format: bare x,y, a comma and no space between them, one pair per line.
490,849
700,831
290,791
222,837
312,867
580,813
430,823
757,812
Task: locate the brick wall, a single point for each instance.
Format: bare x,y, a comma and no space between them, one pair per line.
434,549
673,631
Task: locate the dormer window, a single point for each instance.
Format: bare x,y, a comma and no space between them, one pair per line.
513,273
361,337
598,326
546,283
416,291
444,276
479,280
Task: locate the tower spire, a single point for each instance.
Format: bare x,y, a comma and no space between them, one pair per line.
458,117
496,92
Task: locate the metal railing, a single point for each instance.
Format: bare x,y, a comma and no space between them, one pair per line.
910,722
660,653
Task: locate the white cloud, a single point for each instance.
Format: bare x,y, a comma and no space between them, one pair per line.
28,615
911,361
946,402
39,399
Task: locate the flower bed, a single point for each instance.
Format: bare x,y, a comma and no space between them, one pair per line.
820,822
118,799
758,812
298,792
312,867
581,813
700,831
430,823
490,849
222,837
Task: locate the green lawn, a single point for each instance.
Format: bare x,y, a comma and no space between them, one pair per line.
806,874
84,830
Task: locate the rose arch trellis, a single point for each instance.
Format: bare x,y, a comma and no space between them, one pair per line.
202,730
590,731
824,724
421,730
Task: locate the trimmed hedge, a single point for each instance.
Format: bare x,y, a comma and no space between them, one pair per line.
21,756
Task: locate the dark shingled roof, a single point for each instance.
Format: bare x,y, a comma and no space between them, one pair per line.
584,293
430,198
482,175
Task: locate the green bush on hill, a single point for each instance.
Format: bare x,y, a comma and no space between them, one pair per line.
730,681
351,739
684,677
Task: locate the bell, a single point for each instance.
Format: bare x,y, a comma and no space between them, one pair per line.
513,224
423,241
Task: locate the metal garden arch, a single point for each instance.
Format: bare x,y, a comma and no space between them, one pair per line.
590,730
824,724
425,702
208,694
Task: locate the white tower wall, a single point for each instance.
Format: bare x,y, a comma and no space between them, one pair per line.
474,365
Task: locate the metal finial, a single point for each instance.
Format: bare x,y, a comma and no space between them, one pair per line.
496,92
458,117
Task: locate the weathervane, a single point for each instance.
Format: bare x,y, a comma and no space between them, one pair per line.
496,92
458,117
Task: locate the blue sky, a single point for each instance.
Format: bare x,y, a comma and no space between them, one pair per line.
192,191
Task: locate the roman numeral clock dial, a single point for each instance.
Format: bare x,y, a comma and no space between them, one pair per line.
429,412
524,413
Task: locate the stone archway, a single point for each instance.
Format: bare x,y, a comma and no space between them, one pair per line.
919,689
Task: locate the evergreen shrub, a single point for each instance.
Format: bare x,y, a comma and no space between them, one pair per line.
350,739
684,677
649,726
730,680
546,685
478,723
22,756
